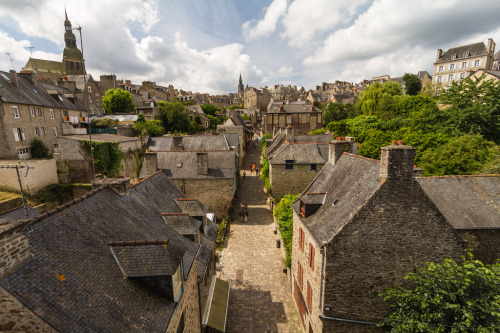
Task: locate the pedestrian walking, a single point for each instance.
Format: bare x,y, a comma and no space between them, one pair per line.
246,213
244,174
256,171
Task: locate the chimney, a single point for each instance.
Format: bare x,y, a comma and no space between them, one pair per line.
338,147
202,163
13,78
120,185
397,162
491,47
128,83
290,133
439,54
282,108
177,143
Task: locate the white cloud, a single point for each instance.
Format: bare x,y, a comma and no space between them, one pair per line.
306,18
286,70
253,29
389,25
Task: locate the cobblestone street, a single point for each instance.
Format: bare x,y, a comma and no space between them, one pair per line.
260,298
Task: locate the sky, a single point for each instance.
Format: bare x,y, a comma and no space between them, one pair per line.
204,45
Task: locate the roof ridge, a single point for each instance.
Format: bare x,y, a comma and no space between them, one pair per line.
457,47
362,157
460,176
142,180
139,242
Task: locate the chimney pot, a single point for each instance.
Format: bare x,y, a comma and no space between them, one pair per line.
394,142
400,142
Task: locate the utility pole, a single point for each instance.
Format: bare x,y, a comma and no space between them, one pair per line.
17,167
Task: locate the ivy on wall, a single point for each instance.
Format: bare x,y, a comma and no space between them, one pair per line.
107,156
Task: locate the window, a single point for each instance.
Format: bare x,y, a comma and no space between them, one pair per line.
314,167
56,146
15,110
177,283
289,164
300,275
90,89
78,65
450,77
54,131
439,79
462,76
452,67
453,56
440,68
477,63
65,113
466,54
37,131
72,65
301,240
40,114
23,151
311,256
464,64
90,99
92,111
42,131
51,114
32,111
309,297
19,134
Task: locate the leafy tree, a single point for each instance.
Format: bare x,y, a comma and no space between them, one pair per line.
447,297
246,117
368,103
236,107
374,139
474,107
118,100
39,149
334,112
462,155
103,123
174,117
149,127
214,121
210,109
284,214
413,84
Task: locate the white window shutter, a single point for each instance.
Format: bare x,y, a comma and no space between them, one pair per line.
16,136
22,135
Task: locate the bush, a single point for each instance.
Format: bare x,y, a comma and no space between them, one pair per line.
39,149
284,214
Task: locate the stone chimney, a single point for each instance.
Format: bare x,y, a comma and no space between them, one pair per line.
491,47
439,54
128,83
120,185
338,147
282,108
13,78
397,162
290,133
177,143
202,163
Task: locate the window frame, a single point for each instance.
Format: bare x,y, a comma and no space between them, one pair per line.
39,112
440,68
452,67
309,297
289,164
32,112
15,111
453,57
314,167
439,79
450,78
300,275
477,63
311,256
464,64
54,131
462,76
301,239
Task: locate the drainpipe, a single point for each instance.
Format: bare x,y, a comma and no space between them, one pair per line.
321,315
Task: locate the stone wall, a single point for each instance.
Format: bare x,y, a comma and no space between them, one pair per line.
293,181
74,171
215,193
15,251
188,308
397,230
483,243
43,173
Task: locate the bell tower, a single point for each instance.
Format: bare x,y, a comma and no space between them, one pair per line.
72,56
241,88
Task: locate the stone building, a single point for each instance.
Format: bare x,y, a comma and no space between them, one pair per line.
235,124
86,88
363,224
303,117
254,98
458,62
30,109
116,265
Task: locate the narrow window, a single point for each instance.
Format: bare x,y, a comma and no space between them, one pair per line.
462,75
54,131
309,297
477,63
37,131
301,239
452,67
40,114
450,77
32,110
42,131
453,56
90,89
464,64
311,256
51,114
314,167
15,110
466,54
440,69
439,79
300,275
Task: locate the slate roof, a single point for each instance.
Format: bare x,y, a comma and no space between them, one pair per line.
232,139
154,259
277,141
191,206
190,142
293,108
318,138
73,281
475,49
28,93
80,80
182,223
42,65
102,137
351,182
467,202
19,214
497,56
300,153
221,164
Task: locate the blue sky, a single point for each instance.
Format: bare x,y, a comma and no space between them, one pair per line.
203,45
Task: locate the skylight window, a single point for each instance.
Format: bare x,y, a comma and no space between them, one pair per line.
5,76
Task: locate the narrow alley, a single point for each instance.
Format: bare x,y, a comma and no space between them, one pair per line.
260,298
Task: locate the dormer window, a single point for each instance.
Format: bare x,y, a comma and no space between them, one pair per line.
466,54
453,57
289,164
311,202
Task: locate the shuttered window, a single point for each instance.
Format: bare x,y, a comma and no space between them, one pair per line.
301,240
309,297
311,256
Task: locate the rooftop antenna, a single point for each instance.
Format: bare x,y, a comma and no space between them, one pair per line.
12,62
31,58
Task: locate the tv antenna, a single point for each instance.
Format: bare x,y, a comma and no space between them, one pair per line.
11,61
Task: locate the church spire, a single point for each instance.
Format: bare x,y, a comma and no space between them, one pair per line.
72,56
241,88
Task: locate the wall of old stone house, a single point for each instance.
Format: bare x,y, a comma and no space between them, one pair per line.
241,138
205,285
397,230
313,276
294,181
43,172
303,122
484,244
15,252
9,146
149,165
215,193
188,306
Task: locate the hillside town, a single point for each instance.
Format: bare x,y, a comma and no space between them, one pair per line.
143,207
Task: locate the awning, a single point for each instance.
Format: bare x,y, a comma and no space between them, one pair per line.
218,300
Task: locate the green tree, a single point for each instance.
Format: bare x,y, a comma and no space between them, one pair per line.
372,141
39,149
447,297
368,103
174,117
334,112
149,127
284,214
464,155
104,123
236,107
118,100
210,109
413,84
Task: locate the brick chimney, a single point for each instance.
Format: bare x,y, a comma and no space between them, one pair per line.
397,162
290,133
202,163
338,147
439,54
177,143
13,78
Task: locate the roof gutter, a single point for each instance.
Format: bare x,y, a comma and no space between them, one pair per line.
321,315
